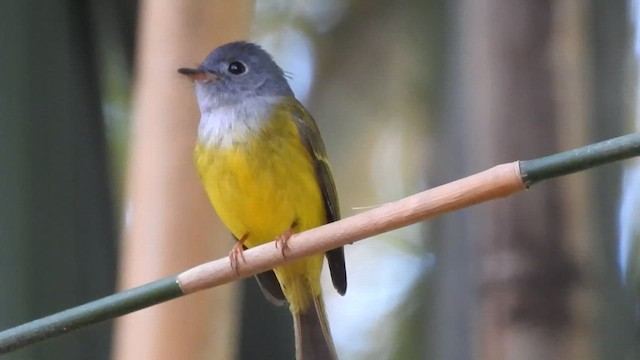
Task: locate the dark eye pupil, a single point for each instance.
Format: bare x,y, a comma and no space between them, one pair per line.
237,68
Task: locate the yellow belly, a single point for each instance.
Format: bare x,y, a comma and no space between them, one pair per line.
261,187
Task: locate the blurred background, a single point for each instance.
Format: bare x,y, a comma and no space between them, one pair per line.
98,191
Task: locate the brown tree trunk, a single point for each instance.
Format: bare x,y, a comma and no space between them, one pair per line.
535,77
524,101
169,222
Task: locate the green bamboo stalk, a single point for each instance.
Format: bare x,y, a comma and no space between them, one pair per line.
500,181
90,313
586,157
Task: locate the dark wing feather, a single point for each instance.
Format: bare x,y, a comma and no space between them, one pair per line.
310,136
270,286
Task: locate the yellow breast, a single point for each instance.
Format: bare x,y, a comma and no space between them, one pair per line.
263,184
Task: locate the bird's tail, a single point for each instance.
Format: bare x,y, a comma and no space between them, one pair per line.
313,336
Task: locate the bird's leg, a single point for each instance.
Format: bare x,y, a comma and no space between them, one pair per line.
237,252
281,240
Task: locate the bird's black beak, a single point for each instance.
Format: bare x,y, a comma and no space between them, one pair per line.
198,74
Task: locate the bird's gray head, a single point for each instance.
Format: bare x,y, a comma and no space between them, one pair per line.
236,72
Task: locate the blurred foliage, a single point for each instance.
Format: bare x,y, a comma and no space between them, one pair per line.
115,28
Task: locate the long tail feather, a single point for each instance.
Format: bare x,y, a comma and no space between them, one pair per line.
313,336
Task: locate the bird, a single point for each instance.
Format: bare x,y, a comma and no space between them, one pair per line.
264,167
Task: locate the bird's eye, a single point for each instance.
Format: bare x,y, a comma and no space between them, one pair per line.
237,68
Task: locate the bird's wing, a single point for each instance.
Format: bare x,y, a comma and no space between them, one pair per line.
310,136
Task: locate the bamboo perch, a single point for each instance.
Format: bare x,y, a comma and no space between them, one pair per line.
499,181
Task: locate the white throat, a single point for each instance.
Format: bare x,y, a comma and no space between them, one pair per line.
225,126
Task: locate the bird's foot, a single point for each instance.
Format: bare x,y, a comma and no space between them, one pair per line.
237,252
281,240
